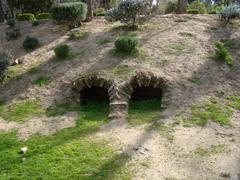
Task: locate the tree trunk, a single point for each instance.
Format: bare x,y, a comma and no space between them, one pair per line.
1,12
182,6
90,11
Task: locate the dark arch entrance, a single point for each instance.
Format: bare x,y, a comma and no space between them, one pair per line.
146,93
98,94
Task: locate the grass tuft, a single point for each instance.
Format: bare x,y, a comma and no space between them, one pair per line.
214,149
42,81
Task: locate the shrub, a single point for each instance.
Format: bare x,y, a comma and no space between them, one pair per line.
230,12
126,44
25,17
222,54
198,6
11,22
6,59
35,23
192,11
42,16
72,12
100,12
171,7
127,12
13,34
30,43
62,50
212,12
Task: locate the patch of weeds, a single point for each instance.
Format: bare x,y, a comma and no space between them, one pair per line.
122,70
220,94
103,42
214,149
214,111
225,175
195,81
12,72
21,110
143,112
78,35
42,81
222,54
234,102
177,48
33,70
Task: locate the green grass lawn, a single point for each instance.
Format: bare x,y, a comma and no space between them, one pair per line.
69,154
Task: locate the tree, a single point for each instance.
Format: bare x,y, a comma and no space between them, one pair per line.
182,6
1,12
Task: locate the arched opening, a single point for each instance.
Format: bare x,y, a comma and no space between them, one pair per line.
146,93
97,94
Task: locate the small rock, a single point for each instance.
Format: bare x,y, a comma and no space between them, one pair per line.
23,150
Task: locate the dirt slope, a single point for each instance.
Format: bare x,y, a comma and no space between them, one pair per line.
177,48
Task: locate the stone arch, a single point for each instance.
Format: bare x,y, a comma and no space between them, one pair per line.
149,83
95,85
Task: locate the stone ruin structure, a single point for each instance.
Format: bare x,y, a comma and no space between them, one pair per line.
100,87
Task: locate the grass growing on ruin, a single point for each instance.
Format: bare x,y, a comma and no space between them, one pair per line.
71,153
144,112
20,111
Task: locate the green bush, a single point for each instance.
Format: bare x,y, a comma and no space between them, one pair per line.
230,12
62,50
171,7
25,17
13,34
126,44
30,43
6,59
42,16
72,12
192,11
11,22
100,12
35,23
222,54
198,6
